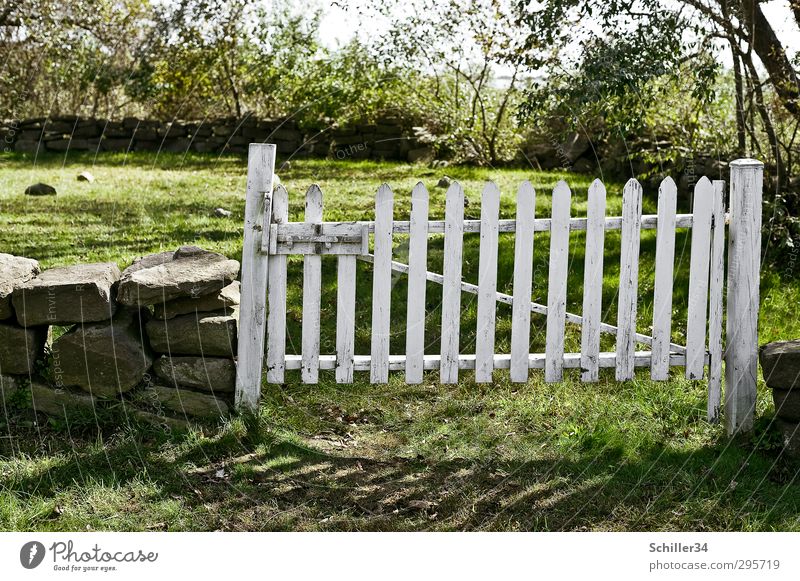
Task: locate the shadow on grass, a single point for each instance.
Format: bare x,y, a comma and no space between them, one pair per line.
260,481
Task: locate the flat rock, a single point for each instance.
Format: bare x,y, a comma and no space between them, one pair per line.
60,402
104,359
203,334
214,374
40,189
70,294
85,176
223,300
191,403
20,348
787,404
790,435
190,272
780,363
14,270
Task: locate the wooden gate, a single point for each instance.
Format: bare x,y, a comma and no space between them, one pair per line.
269,238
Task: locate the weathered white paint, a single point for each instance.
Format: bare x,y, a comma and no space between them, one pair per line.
534,307
715,302
312,293
744,265
276,320
451,291
649,222
487,284
665,269
382,285
417,268
629,280
502,361
260,173
698,279
593,281
345,317
523,277
557,282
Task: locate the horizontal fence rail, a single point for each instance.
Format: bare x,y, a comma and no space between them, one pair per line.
270,238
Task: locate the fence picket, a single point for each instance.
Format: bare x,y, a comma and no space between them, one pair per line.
698,279
487,284
382,285
662,293
417,283
593,281
557,283
523,272
345,317
715,302
451,291
276,319
628,280
312,293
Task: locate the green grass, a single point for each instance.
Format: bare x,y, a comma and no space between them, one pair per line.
566,456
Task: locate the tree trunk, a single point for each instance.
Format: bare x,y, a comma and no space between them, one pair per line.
770,51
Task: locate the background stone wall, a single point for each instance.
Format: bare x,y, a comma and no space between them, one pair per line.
160,335
390,138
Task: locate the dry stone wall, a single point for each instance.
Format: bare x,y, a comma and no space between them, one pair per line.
160,335
780,364
390,138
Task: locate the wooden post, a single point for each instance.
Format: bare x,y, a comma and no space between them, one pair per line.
253,309
744,265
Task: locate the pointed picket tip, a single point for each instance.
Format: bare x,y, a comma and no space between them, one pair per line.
454,190
281,190
490,190
597,187
633,183
668,182
703,184
384,192
312,190
561,189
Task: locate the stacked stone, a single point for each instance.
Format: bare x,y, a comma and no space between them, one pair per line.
780,363
194,296
20,346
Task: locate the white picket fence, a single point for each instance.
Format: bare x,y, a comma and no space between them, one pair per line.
269,238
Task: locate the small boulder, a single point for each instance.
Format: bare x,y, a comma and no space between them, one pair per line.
40,189
191,403
104,359
85,176
224,301
222,213
189,272
71,294
780,364
201,334
14,270
20,348
444,182
213,374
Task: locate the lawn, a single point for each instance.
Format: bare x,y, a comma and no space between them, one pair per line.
566,456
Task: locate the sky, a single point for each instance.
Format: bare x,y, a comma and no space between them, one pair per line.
338,26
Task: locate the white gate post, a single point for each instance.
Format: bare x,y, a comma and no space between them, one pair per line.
744,265
253,308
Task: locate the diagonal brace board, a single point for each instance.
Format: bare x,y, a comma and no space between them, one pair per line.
535,307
